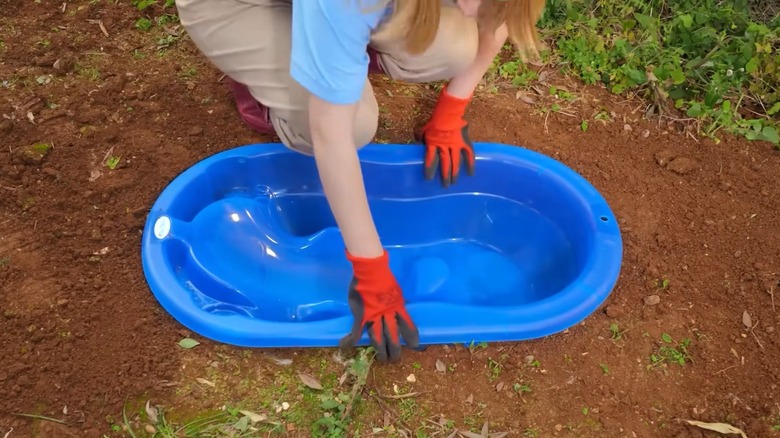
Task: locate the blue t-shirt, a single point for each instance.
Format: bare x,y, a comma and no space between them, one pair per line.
329,40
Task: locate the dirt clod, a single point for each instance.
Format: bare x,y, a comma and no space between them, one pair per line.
664,157
682,165
614,311
33,154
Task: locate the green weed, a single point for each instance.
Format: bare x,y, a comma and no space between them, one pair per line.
670,352
706,58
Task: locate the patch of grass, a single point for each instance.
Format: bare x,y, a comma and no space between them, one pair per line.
706,58
112,162
253,406
5,262
495,367
615,332
521,388
670,352
88,72
473,347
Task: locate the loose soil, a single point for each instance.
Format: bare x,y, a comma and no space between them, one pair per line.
83,338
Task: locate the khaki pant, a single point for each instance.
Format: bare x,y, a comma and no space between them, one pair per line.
250,40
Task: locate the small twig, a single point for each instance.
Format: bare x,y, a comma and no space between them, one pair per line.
546,131
772,295
389,410
725,369
41,417
101,25
7,434
754,334
357,387
103,28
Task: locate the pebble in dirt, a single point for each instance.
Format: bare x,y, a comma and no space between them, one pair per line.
242,247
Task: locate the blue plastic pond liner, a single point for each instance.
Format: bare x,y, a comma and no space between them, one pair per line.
242,247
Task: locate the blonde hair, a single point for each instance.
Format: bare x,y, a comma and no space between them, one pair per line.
418,22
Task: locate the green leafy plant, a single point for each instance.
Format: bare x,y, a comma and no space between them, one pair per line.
706,58
671,351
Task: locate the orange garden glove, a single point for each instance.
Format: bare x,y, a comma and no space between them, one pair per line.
378,305
446,139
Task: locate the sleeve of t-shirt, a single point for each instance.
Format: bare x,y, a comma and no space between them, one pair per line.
329,40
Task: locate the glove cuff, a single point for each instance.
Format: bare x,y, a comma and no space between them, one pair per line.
364,267
449,111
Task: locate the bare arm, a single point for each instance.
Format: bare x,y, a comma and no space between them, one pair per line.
337,162
490,45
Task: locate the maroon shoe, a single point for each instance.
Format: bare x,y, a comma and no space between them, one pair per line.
252,112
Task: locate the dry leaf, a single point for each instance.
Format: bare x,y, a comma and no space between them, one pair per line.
522,95
203,381
718,427
94,175
747,320
543,76
151,412
254,417
440,367
470,399
31,117
469,434
310,381
343,378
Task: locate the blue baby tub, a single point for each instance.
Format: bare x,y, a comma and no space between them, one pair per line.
242,247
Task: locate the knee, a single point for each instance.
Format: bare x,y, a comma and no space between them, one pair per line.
367,118
366,124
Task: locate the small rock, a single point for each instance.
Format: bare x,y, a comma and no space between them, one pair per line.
646,133
500,386
50,172
62,302
652,300
410,378
558,427
195,130
627,128
6,126
664,157
614,311
33,154
682,165
150,429
529,360
738,254
770,329
285,406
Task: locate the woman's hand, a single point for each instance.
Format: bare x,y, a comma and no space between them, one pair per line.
446,134
375,298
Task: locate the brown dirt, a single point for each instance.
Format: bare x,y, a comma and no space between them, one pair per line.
81,334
